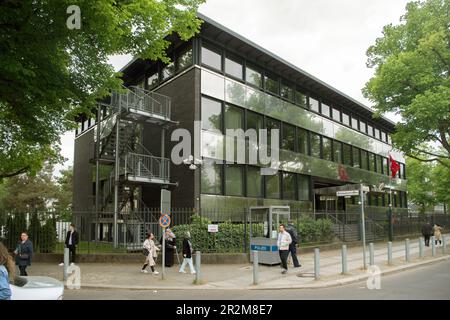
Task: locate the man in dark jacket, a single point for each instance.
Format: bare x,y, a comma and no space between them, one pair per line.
72,242
24,252
187,254
427,231
293,246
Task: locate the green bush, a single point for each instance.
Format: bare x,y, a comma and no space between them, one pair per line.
47,241
230,237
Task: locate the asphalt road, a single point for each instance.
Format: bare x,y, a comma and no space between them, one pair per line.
429,282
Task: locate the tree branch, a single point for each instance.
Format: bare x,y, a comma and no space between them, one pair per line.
431,154
430,160
441,58
9,175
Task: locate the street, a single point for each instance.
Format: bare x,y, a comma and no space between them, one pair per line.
429,282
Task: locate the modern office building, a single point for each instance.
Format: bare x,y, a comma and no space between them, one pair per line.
327,139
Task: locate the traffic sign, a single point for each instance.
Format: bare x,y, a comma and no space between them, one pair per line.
164,221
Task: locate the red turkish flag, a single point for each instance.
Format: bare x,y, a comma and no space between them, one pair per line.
394,166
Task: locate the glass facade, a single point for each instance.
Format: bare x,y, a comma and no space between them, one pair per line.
288,137
337,152
314,105
212,58
303,145
211,114
271,84
289,186
211,176
233,68
254,182
326,149
253,77
325,110
273,186
234,180
315,145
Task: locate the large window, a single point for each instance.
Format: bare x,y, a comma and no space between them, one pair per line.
153,80
273,186
347,154
234,180
325,110
254,121
345,119
300,99
254,182
289,190
370,130
364,160
379,164
271,84
303,187
288,139
355,123
336,115
385,166
315,145
326,149
362,126
184,58
287,92
337,151
356,157
302,141
211,114
377,133
272,124
233,68
252,76
168,71
314,104
234,117
211,175
372,162
212,58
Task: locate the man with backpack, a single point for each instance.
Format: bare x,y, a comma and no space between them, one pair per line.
293,245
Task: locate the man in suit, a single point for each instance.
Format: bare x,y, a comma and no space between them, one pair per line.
427,232
72,242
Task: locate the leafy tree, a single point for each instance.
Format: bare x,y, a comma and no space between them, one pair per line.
35,230
420,184
51,73
64,195
441,181
47,241
412,62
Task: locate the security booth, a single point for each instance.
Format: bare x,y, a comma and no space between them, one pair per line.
264,224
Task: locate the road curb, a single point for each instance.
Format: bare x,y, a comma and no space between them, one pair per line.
318,285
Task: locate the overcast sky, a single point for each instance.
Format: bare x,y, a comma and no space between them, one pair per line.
326,38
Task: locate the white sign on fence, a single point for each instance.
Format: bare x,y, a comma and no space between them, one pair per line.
347,193
213,228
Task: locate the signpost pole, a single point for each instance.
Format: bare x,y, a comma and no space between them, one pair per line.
363,223
163,262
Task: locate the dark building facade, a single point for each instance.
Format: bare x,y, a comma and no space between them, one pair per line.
224,81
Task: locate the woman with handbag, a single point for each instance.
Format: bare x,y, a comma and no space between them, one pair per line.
24,253
150,251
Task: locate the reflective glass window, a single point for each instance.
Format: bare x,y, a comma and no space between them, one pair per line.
300,99
288,138
233,68
372,162
355,123
370,130
254,182
303,187
313,104
234,117
347,154
184,58
326,149
287,92
271,84
315,145
153,80
377,133
273,186
356,157
345,119
364,160
302,141
336,115
385,166
211,114
337,151
168,71
325,110
362,126
272,124
289,190
212,58
379,164
252,76
211,178
234,180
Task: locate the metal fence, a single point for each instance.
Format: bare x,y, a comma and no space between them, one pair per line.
96,230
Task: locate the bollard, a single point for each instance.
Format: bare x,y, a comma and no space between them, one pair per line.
407,250
421,244
197,267
255,267
344,259
389,253
66,263
316,263
371,254
433,246
444,245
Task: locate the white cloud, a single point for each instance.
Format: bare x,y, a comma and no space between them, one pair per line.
326,38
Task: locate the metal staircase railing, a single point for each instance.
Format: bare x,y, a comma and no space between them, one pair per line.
147,166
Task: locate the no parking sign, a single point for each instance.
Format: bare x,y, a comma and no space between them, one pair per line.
164,221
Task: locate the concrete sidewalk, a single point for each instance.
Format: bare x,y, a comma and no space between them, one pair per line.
128,276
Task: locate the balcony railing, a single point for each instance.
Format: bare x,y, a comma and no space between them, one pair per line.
140,166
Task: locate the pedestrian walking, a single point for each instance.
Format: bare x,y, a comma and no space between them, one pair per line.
72,242
151,252
427,231
293,246
187,254
24,253
437,234
170,246
6,272
284,240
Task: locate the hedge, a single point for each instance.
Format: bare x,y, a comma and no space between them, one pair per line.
230,237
